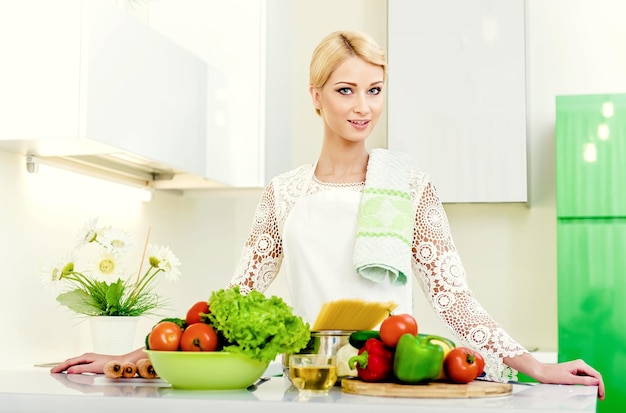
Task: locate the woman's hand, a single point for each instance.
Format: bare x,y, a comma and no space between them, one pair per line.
85,363
572,372
93,362
569,372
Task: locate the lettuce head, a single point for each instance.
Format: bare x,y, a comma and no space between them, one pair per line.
258,326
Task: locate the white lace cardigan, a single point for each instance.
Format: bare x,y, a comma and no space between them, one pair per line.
436,264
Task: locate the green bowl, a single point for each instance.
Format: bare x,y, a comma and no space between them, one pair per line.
206,370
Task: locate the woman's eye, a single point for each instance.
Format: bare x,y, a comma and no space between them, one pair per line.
345,91
375,91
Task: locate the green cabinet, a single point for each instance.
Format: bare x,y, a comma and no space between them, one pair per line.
591,155
592,286
591,237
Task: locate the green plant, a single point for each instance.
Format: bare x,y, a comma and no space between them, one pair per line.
98,284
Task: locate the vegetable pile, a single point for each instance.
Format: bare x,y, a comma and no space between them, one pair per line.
398,353
252,324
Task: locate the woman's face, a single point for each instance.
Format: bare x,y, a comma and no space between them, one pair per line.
351,101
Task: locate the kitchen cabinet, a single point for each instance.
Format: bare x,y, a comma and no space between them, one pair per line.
457,95
591,235
248,46
591,148
85,82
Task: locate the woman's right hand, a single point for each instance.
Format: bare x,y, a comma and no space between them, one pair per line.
93,362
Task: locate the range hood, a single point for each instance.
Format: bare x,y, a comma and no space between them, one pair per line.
89,88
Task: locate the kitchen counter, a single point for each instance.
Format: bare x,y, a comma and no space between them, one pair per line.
31,389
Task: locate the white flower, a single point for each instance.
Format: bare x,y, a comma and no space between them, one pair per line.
51,273
163,259
116,239
97,283
106,266
88,233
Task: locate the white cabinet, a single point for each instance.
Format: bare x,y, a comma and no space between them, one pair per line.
457,95
40,74
247,45
83,78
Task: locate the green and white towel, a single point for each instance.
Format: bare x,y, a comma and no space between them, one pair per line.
385,219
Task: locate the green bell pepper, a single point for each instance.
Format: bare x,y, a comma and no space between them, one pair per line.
417,359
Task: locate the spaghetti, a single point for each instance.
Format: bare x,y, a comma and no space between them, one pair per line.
352,314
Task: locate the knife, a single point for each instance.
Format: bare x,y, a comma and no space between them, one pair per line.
257,383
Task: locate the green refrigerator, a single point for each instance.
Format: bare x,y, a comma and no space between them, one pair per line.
591,237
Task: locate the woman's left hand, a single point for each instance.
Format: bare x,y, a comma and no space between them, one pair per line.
568,372
572,372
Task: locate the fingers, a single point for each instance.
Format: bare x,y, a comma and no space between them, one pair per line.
595,378
588,376
584,380
85,363
601,390
582,368
82,368
590,381
574,372
61,367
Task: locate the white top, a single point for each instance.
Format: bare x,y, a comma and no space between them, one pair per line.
318,235
436,265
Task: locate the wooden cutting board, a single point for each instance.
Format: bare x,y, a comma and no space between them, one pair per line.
431,390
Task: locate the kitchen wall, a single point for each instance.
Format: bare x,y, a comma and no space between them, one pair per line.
509,251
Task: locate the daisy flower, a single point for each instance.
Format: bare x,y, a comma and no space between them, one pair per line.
88,233
163,259
117,240
52,273
106,266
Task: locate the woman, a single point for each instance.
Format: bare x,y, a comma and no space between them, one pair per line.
308,219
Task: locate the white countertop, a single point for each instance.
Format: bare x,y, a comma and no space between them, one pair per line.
34,389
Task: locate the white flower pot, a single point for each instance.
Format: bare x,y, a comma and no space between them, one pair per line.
113,335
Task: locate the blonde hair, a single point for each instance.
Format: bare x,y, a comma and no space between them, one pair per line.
339,46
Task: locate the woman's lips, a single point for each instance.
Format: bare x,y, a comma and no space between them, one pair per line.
359,124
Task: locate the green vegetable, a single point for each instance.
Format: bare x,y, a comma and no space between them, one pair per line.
255,325
417,359
357,339
180,322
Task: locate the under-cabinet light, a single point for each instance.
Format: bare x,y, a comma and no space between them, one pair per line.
49,176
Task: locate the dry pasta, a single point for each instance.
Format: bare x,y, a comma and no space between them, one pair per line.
352,314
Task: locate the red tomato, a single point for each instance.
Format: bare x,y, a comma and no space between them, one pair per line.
394,326
461,365
194,314
165,336
480,362
199,337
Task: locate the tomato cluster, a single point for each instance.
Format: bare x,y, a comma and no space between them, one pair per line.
194,333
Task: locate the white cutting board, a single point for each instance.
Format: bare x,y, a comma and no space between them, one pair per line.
135,381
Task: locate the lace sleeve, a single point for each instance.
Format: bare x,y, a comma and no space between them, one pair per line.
261,256
439,270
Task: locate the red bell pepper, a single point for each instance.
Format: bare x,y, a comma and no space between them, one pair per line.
374,361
